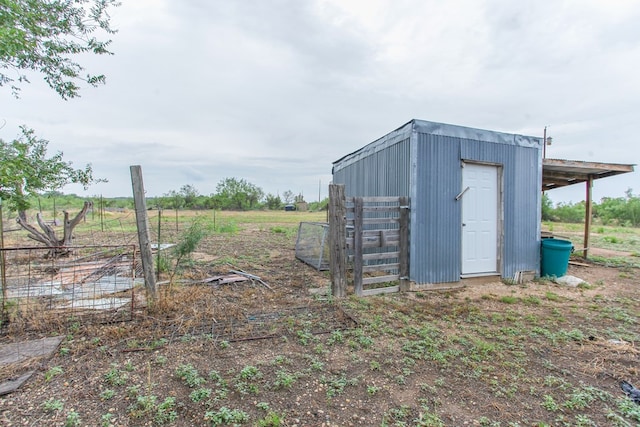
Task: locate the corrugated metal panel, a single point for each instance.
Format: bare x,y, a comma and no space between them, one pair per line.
435,215
522,214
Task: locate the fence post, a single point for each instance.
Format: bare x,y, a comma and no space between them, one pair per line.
143,232
337,240
403,260
3,264
358,206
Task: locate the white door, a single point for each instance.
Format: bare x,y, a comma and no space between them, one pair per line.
479,219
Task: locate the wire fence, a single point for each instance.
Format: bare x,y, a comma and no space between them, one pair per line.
91,283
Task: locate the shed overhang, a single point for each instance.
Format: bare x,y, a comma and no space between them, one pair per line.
558,173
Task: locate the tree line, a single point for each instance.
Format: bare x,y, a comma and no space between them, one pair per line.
231,194
622,211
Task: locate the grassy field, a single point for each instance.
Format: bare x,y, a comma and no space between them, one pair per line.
621,245
496,355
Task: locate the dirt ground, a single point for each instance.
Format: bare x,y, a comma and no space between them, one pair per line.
285,353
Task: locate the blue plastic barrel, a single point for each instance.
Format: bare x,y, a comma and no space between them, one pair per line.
555,257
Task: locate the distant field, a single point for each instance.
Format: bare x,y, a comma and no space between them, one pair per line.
622,244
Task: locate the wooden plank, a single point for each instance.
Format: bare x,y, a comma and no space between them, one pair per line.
349,241
390,232
581,264
368,209
391,199
378,291
374,241
357,247
12,384
382,199
379,279
383,255
404,245
383,209
337,244
369,221
380,267
587,217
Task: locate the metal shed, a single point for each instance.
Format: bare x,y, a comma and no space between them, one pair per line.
475,197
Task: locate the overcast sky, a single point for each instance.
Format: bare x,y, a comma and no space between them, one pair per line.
274,91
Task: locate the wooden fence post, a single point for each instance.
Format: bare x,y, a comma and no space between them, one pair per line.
143,232
337,240
403,260
358,206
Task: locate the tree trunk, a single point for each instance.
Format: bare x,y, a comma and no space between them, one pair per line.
47,235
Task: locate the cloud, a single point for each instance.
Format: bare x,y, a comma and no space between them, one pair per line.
275,91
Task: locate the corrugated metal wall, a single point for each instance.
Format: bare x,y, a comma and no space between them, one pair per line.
383,173
426,166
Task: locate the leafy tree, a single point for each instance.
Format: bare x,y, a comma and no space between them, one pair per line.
189,194
547,208
43,36
620,210
25,170
322,205
570,212
273,202
171,200
234,193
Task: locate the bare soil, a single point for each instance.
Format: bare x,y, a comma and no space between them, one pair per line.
495,354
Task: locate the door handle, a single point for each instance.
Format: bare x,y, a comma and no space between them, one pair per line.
459,196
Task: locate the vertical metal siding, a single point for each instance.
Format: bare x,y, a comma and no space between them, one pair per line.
383,173
522,215
435,215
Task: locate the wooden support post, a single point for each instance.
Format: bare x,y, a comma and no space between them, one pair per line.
357,244
337,214
3,263
403,260
588,212
143,232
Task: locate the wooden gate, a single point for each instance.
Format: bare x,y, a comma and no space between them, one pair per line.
376,244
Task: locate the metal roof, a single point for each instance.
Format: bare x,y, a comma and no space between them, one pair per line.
560,173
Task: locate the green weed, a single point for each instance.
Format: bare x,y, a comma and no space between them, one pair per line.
225,416
72,420
284,379
53,404
190,375
107,394
54,371
115,377
272,419
200,394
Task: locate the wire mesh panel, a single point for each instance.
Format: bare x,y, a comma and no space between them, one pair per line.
92,282
312,245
